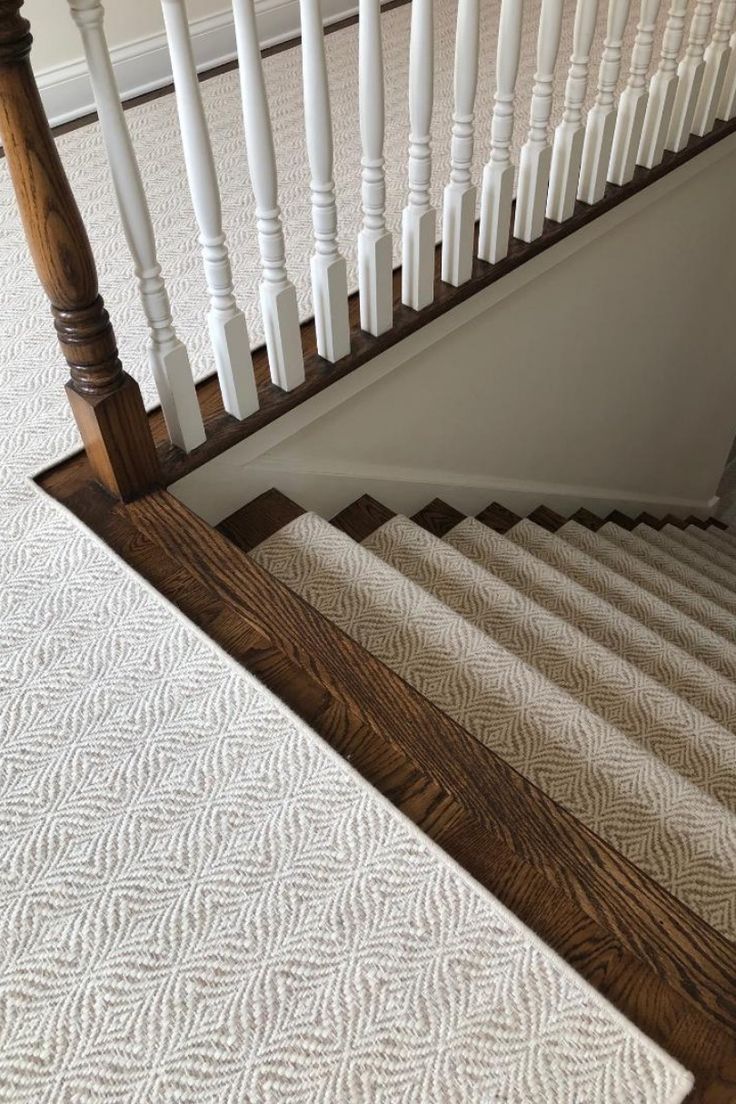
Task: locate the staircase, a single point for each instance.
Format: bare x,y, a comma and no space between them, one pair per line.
597,658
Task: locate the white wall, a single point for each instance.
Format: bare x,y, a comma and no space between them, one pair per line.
56,40
608,379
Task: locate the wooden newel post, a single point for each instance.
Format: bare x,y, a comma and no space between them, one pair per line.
105,400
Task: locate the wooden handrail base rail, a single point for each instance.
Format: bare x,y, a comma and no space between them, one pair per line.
115,435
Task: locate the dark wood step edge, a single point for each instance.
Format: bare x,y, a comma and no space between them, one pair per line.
681,948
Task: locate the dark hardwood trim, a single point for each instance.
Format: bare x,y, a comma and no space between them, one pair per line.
550,520
584,517
498,518
695,960
438,518
260,519
669,1014
224,431
622,520
362,518
717,523
105,401
650,520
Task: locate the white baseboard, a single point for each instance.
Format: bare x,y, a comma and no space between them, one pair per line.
144,65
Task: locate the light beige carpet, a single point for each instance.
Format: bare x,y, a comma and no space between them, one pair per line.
601,730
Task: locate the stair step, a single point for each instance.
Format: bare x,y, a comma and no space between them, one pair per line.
583,517
437,517
627,596
497,517
361,517
547,519
689,550
259,519
581,761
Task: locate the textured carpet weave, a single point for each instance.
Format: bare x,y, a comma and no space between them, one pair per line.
612,742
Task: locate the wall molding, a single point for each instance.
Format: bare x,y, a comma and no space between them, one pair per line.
144,65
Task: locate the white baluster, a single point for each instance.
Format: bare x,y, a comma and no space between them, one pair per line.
458,211
329,272
278,296
375,246
228,331
662,89
601,119
167,355
727,103
536,154
689,78
567,148
716,60
498,175
632,103
419,226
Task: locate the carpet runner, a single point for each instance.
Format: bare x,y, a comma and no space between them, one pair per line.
635,742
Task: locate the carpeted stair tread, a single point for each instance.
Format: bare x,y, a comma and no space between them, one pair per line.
715,538
685,601
615,630
624,595
689,550
683,738
674,832
652,554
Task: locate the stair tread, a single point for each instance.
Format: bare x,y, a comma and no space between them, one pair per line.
680,598
655,556
498,517
718,540
361,517
603,682
259,519
626,636
629,597
705,559
510,706
437,517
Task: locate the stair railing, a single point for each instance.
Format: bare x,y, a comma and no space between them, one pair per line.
566,159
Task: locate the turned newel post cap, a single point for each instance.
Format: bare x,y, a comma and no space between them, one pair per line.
15,32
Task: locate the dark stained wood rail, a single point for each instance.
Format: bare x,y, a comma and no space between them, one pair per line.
106,402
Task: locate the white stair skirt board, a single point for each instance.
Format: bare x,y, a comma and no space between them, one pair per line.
403,601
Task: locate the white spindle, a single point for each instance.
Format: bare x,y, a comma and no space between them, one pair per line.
567,149
458,212
536,154
278,296
167,355
601,119
498,174
689,78
375,246
727,103
662,89
632,103
228,331
419,226
329,272
716,60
